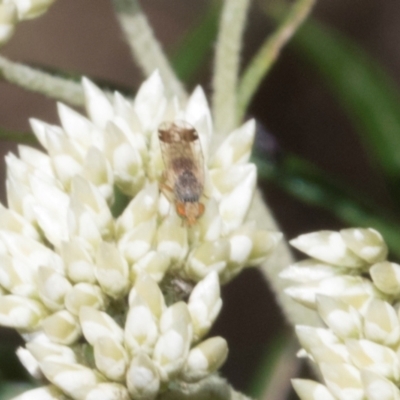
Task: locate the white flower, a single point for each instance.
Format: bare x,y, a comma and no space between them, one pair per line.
79,270
356,293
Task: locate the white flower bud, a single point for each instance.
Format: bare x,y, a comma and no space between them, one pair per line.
147,291
40,129
111,270
51,351
376,387
50,209
386,277
52,288
97,105
38,161
137,242
374,357
111,358
342,319
353,290
173,344
150,103
29,362
141,331
309,270
322,345
233,206
15,278
20,313
83,226
8,19
108,391
310,390
86,194
49,392
20,199
32,8
78,262
381,323
84,294
208,257
327,246
62,327
12,221
142,208
153,264
143,378
205,358
172,238
342,380
65,155
126,161
264,243
97,170
205,304
96,324
123,108
79,129
73,379
210,223
368,244
33,254
236,147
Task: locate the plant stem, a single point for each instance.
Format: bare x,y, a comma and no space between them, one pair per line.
227,61
210,388
38,81
144,46
266,56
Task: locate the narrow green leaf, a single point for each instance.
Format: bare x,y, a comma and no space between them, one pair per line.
366,92
272,354
19,137
307,183
190,54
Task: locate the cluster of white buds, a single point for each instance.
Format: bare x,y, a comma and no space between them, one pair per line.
14,11
95,287
356,292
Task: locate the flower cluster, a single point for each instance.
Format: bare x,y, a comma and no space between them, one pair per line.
356,292
95,285
14,11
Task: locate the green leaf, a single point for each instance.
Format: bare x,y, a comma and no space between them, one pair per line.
272,354
309,184
190,54
19,137
368,96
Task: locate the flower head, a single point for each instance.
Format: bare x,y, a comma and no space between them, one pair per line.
356,292
96,259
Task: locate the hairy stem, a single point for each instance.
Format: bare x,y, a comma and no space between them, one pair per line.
280,259
266,56
38,81
227,62
145,48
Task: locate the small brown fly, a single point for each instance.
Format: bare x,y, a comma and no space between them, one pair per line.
183,177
